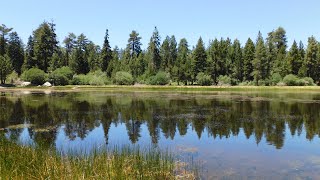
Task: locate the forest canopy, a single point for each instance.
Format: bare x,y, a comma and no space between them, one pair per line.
77,60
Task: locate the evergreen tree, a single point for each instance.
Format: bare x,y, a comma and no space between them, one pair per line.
154,52
278,40
237,61
5,68
294,60
173,53
248,57
45,44
259,72
106,53
181,63
93,56
80,64
302,70
15,52
70,43
3,33
165,54
312,59
213,64
134,44
29,61
199,58
113,66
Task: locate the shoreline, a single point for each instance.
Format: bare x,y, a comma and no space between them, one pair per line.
152,88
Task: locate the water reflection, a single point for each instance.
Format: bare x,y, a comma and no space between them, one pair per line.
75,115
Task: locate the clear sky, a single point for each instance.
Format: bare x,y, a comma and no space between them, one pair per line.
183,18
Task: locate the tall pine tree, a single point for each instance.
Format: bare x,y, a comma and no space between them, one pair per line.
106,52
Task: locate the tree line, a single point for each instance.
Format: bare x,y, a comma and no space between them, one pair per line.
263,61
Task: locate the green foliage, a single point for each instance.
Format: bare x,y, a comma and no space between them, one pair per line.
275,78
161,78
5,68
248,57
123,78
15,51
35,76
106,53
96,78
199,58
61,76
204,79
12,77
224,81
293,80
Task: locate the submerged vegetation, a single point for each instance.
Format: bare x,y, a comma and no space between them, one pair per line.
17,161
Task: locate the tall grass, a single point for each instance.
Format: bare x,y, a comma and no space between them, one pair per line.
25,162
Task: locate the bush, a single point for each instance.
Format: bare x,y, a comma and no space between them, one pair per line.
275,78
161,78
96,78
308,81
61,76
123,78
203,79
224,80
291,80
35,76
13,77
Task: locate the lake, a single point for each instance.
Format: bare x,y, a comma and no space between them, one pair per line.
230,135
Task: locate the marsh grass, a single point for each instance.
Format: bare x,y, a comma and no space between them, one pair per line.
25,162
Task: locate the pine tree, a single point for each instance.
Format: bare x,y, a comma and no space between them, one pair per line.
278,40
199,58
173,53
312,59
213,64
237,61
80,64
106,52
45,44
3,33
165,54
294,60
134,44
5,68
70,43
15,52
248,57
29,61
154,52
259,60
302,70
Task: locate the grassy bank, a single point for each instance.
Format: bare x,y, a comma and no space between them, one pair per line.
166,88
22,162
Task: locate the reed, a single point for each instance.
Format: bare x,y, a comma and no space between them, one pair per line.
26,162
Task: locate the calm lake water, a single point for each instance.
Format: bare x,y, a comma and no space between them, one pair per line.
240,135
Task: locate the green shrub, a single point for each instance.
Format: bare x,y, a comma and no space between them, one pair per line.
224,80
308,81
275,79
291,80
161,78
203,79
123,78
35,76
61,76
13,77
81,79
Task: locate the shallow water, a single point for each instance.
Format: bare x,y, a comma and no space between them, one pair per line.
242,135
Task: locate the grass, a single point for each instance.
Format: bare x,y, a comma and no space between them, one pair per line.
25,162
167,88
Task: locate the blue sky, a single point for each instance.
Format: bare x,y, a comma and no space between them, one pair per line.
182,18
